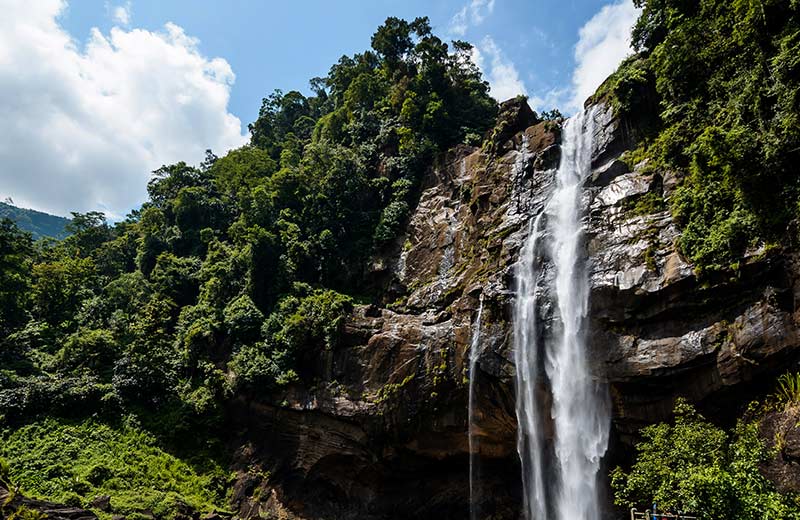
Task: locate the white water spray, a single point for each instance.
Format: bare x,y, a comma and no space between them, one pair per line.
474,353
559,480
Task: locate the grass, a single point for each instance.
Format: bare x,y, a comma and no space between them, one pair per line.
788,391
72,462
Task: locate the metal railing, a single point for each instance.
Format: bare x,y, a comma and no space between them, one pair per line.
649,515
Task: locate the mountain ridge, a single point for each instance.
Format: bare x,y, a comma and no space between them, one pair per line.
37,223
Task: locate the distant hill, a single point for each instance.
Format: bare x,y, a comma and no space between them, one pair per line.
39,224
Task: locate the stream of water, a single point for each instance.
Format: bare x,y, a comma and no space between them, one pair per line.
474,353
562,411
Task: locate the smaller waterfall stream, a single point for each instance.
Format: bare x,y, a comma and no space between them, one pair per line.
474,353
526,359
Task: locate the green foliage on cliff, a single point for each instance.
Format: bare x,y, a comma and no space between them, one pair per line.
696,467
726,76
629,88
74,462
293,334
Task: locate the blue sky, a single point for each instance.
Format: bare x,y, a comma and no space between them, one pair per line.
282,45
95,94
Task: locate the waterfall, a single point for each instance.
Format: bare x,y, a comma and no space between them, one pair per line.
474,352
560,477
526,359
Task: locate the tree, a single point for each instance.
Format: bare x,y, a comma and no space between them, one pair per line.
280,116
167,181
87,232
60,287
15,275
392,42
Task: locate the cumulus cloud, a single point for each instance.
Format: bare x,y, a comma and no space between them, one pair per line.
120,14
472,14
83,127
499,71
603,42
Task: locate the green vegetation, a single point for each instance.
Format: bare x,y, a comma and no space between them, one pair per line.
73,462
725,79
295,332
38,224
650,258
629,89
232,278
650,202
694,466
789,389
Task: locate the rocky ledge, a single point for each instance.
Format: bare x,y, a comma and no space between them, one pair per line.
15,505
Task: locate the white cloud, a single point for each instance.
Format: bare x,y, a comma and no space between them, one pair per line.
553,98
83,128
499,71
603,42
120,14
472,14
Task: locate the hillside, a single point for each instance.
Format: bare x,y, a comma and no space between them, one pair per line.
37,223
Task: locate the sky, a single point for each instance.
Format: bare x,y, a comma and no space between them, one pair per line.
95,94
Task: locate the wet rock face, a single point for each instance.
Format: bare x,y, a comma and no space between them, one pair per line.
659,331
382,433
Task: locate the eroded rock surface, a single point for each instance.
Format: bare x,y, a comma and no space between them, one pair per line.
382,433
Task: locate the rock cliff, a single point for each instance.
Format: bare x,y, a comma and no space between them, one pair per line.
382,432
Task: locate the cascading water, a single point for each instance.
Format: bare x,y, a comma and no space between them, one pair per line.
474,352
559,477
526,358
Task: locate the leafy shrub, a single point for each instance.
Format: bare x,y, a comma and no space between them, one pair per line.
260,368
94,349
243,320
392,218
300,327
81,393
694,466
313,319
629,90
